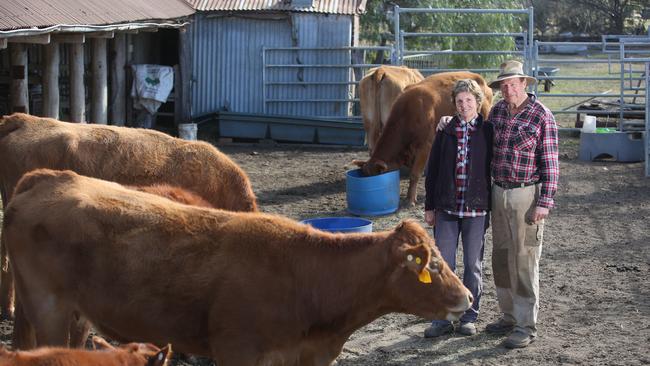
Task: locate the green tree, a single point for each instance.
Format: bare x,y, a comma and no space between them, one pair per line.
614,12
377,28
594,17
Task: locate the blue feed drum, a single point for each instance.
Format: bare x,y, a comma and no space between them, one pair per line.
372,196
341,224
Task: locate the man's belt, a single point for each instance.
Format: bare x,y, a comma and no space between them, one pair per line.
511,185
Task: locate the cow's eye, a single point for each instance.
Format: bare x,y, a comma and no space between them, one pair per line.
434,265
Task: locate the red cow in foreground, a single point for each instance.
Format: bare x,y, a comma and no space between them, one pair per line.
377,91
120,154
411,126
132,354
242,288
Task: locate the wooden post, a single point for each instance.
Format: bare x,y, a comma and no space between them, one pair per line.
185,77
51,98
99,99
18,88
117,105
77,89
178,96
130,116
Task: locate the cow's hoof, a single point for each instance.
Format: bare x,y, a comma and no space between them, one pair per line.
409,204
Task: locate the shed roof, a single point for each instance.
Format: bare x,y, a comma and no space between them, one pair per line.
317,6
44,13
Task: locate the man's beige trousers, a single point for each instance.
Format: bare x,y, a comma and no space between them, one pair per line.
516,249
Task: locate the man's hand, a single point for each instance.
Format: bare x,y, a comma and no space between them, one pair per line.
444,121
430,217
539,214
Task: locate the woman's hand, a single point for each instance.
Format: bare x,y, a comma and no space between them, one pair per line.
444,121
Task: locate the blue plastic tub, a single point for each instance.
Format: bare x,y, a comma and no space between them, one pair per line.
341,224
372,196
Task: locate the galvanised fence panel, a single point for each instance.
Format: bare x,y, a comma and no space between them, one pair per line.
616,90
430,61
317,82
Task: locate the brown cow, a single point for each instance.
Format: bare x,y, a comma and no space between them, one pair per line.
377,91
411,126
125,155
132,354
242,288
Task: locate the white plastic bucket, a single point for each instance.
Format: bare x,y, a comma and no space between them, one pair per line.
589,125
187,131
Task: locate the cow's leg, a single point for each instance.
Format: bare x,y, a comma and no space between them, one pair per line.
227,355
23,335
6,278
48,316
6,284
322,355
79,330
414,178
52,328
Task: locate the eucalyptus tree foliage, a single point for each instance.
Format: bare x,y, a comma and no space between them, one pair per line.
377,28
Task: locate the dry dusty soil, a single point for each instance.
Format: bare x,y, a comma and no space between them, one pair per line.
595,292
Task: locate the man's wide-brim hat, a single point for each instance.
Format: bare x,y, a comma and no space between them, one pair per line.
511,69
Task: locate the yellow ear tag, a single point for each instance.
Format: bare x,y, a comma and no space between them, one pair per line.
424,276
418,260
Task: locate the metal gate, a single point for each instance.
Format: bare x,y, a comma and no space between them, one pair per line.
315,82
437,58
622,87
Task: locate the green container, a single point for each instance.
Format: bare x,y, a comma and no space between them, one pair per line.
605,130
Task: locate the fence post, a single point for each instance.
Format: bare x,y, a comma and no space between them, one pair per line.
397,46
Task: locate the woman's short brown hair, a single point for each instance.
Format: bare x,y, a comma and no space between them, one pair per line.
470,86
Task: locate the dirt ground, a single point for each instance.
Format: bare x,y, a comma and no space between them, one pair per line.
595,293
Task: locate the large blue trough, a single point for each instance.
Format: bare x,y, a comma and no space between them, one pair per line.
372,196
341,224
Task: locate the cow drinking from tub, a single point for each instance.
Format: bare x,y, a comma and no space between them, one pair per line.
242,288
409,132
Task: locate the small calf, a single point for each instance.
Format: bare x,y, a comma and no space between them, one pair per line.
132,354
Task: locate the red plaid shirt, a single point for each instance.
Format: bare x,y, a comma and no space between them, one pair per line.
526,147
464,132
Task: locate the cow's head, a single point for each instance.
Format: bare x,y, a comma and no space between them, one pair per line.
147,354
422,283
372,167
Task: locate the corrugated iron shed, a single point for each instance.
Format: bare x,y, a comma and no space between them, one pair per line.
43,13
348,7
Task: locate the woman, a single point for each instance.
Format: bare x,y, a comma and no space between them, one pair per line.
458,195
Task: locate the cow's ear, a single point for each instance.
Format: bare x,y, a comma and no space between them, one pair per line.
100,343
415,258
359,163
160,358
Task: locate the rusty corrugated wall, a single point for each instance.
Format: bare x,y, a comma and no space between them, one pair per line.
16,14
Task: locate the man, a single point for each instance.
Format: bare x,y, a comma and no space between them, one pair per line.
525,174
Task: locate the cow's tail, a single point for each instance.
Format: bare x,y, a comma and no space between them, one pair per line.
379,76
9,125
